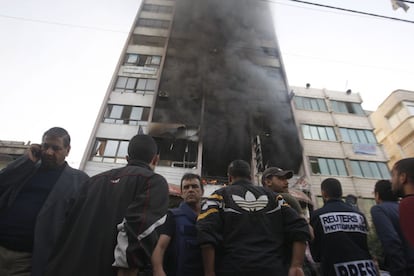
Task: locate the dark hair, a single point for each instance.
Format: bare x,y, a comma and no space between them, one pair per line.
383,188
406,166
142,147
189,176
332,187
351,199
239,168
58,132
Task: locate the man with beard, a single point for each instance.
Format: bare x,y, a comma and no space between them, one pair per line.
399,255
403,185
35,192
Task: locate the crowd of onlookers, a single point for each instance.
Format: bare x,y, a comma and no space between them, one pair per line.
56,221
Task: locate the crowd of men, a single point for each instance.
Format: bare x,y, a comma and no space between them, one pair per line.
55,220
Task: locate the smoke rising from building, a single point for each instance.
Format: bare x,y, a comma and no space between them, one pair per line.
222,75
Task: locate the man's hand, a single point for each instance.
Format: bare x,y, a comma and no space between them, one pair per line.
296,271
34,152
127,272
159,273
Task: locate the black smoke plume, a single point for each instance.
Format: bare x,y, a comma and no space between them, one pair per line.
222,71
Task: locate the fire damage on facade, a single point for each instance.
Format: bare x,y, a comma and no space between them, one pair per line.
223,93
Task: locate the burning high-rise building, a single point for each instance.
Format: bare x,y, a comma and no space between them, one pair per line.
205,79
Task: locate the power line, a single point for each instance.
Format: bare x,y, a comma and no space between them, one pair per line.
62,24
347,10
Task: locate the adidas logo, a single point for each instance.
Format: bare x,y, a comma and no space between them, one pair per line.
250,203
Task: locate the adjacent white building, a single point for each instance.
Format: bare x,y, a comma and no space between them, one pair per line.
394,125
338,141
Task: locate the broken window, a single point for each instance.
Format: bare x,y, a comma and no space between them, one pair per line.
177,152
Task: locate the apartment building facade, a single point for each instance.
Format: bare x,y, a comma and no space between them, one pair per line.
338,141
394,125
206,80
11,150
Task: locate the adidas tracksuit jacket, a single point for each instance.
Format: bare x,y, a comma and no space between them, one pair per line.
248,227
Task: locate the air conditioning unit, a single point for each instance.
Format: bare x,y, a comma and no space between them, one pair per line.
163,94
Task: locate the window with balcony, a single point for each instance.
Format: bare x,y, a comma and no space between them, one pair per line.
153,23
347,107
324,133
314,104
135,85
126,114
110,151
360,136
370,169
328,166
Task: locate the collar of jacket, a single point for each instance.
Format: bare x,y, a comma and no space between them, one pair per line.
334,200
139,164
242,182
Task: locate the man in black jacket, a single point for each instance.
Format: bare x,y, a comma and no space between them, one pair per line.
35,194
340,242
111,227
245,226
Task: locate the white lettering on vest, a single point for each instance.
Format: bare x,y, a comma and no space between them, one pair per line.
343,221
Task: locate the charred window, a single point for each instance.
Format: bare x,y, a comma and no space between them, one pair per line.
126,114
177,152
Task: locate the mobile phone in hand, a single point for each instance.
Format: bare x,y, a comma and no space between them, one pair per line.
37,153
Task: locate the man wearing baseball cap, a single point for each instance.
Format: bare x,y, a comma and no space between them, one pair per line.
276,179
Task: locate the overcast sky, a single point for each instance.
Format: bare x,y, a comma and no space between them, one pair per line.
57,57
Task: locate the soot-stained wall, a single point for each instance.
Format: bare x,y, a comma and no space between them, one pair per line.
222,73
